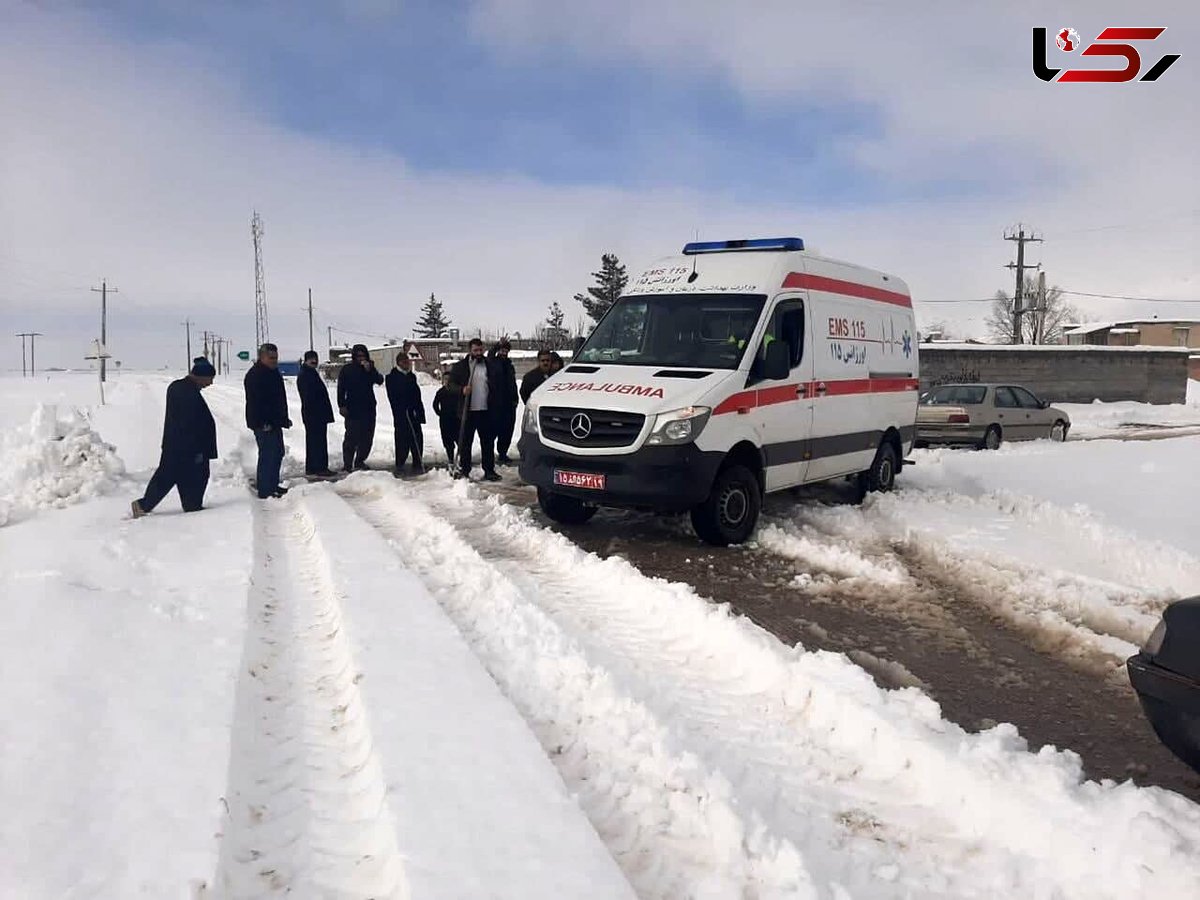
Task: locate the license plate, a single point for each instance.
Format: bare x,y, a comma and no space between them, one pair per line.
579,480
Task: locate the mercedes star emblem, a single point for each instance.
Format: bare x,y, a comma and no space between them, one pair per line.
581,426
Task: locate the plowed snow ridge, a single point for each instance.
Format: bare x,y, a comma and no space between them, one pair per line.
668,707
1096,597
307,808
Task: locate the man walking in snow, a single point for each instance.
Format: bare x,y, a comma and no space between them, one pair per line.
356,402
316,412
267,416
189,441
470,376
502,399
408,413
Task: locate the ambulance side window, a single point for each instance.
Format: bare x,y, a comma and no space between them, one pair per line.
790,327
787,325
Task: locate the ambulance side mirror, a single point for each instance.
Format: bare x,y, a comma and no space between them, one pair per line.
778,362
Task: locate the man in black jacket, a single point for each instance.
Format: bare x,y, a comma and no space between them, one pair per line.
503,398
189,441
356,402
534,377
408,413
471,377
267,416
316,412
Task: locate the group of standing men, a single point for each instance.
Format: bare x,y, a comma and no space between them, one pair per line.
478,397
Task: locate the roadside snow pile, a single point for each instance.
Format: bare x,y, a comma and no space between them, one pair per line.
1097,419
53,461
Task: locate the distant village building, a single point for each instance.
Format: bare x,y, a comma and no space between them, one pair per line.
1141,333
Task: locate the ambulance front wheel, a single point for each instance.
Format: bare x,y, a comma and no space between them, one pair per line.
564,510
730,512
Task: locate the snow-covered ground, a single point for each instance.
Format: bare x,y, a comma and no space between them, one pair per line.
410,688
1095,420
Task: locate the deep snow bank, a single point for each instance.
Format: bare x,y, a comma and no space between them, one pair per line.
53,460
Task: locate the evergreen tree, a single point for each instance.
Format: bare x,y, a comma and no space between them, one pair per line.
610,282
433,322
555,334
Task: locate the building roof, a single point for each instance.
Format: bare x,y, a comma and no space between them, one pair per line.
1125,326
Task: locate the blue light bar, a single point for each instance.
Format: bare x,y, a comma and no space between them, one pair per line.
788,243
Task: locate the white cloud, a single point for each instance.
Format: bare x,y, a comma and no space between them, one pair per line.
142,163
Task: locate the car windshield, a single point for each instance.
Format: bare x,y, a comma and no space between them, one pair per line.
956,395
707,331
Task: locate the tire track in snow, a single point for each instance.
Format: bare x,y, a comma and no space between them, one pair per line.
673,825
306,800
877,792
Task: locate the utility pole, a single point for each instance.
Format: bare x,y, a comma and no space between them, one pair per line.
261,333
206,334
311,344
1019,293
330,330
103,291
187,324
33,336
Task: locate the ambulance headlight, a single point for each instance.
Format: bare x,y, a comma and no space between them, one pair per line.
679,426
530,423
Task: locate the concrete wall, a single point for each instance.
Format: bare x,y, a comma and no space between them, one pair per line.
1065,374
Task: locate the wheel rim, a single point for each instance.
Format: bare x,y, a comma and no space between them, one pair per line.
1058,432
734,506
885,472
993,439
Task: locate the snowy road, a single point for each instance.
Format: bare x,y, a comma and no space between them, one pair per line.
393,688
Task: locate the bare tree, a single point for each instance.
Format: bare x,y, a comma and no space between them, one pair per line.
1042,320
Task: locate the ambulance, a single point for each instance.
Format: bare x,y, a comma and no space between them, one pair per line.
735,370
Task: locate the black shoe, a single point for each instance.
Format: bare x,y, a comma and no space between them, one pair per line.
491,476
279,492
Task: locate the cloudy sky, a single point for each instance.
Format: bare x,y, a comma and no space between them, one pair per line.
491,150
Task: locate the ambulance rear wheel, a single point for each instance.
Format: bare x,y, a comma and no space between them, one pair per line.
881,477
564,510
730,513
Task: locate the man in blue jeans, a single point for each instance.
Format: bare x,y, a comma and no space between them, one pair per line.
267,416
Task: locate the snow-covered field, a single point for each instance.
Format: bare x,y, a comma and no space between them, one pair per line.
1093,420
383,688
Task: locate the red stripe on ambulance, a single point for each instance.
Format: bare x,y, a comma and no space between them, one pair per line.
846,288
745,401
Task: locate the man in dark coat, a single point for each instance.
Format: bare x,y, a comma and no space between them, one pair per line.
189,441
316,412
447,406
471,377
408,413
502,398
267,416
534,377
356,402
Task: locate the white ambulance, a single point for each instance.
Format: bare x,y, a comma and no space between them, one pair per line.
737,369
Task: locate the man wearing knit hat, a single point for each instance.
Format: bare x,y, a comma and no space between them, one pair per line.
189,441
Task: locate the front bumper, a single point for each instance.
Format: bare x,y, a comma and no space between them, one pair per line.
1171,703
663,479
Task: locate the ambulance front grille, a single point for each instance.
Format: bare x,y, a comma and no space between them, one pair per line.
590,427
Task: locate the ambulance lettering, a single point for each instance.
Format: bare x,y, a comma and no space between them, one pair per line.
608,387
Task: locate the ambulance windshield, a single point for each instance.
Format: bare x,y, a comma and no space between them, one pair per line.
707,331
